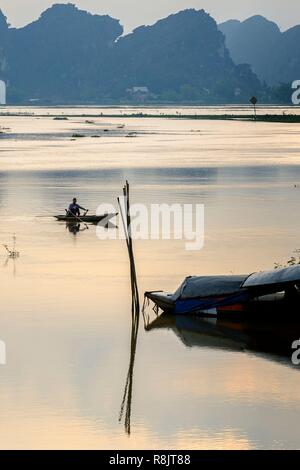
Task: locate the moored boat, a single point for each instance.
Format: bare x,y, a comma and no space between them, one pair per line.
216,295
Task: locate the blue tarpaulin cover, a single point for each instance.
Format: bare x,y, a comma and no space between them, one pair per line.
274,277
183,306
208,286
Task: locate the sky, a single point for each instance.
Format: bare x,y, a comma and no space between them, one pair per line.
134,13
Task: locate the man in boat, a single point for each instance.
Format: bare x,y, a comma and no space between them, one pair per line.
74,209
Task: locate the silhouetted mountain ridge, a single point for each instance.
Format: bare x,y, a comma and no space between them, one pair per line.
183,56
69,55
272,54
62,55
3,42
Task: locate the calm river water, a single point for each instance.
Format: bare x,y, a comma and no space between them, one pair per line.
65,303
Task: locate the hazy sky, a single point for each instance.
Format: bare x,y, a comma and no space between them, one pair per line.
133,13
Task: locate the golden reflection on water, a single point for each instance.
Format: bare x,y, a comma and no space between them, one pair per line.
65,308
171,143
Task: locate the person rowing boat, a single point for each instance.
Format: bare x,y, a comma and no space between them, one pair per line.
74,209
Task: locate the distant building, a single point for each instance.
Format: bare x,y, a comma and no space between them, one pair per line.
140,89
2,92
139,93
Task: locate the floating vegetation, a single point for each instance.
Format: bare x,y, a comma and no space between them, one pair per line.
4,130
12,252
292,261
266,117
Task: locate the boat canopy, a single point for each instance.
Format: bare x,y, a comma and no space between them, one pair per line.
208,286
207,293
274,277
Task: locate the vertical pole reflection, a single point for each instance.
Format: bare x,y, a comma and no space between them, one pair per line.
125,412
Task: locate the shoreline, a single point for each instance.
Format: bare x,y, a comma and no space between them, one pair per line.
277,118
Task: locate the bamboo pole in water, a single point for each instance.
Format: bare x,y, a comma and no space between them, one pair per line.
135,311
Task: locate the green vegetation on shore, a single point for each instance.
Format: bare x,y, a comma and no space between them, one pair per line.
283,118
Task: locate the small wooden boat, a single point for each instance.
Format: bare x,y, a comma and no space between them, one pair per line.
88,219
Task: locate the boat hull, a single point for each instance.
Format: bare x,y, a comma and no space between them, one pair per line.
162,300
222,295
88,219
203,307
231,307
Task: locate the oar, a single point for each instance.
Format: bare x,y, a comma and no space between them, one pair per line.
78,218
